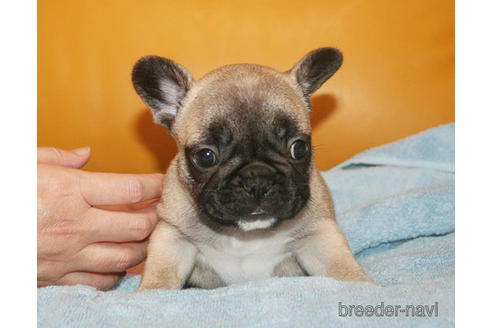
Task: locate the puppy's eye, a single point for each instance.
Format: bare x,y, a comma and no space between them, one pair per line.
299,149
205,158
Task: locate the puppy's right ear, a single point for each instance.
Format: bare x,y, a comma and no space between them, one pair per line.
162,84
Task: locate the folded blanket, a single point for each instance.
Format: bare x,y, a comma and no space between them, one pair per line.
395,204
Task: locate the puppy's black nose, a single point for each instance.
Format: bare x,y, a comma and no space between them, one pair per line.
257,179
256,170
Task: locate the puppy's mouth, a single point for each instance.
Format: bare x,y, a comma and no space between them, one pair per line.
258,212
232,207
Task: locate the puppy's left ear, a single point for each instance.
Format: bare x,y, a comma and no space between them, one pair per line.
315,68
162,84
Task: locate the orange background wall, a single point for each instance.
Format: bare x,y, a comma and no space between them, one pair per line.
397,77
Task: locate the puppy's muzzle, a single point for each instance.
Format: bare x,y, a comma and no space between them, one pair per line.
257,179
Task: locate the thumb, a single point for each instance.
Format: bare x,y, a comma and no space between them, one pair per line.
75,158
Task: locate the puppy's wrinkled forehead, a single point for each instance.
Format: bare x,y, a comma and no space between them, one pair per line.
235,99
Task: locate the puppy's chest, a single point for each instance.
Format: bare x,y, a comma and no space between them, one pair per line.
236,260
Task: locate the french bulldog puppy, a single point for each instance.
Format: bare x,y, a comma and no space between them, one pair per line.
242,200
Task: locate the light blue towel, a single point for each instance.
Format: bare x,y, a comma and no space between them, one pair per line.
395,204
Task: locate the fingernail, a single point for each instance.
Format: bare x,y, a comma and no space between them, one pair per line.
81,151
160,177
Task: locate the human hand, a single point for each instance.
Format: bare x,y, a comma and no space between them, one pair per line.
91,226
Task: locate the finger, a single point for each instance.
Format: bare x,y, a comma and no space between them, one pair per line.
110,257
101,281
75,158
130,207
111,226
117,189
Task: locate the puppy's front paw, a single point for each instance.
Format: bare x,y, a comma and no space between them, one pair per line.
150,283
351,274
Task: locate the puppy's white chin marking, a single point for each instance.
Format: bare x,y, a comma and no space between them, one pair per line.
255,225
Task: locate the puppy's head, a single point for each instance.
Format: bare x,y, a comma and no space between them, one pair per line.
243,133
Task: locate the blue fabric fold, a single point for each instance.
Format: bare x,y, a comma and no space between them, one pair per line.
432,149
395,204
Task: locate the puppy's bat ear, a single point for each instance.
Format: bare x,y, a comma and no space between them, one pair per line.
315,68
162,84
